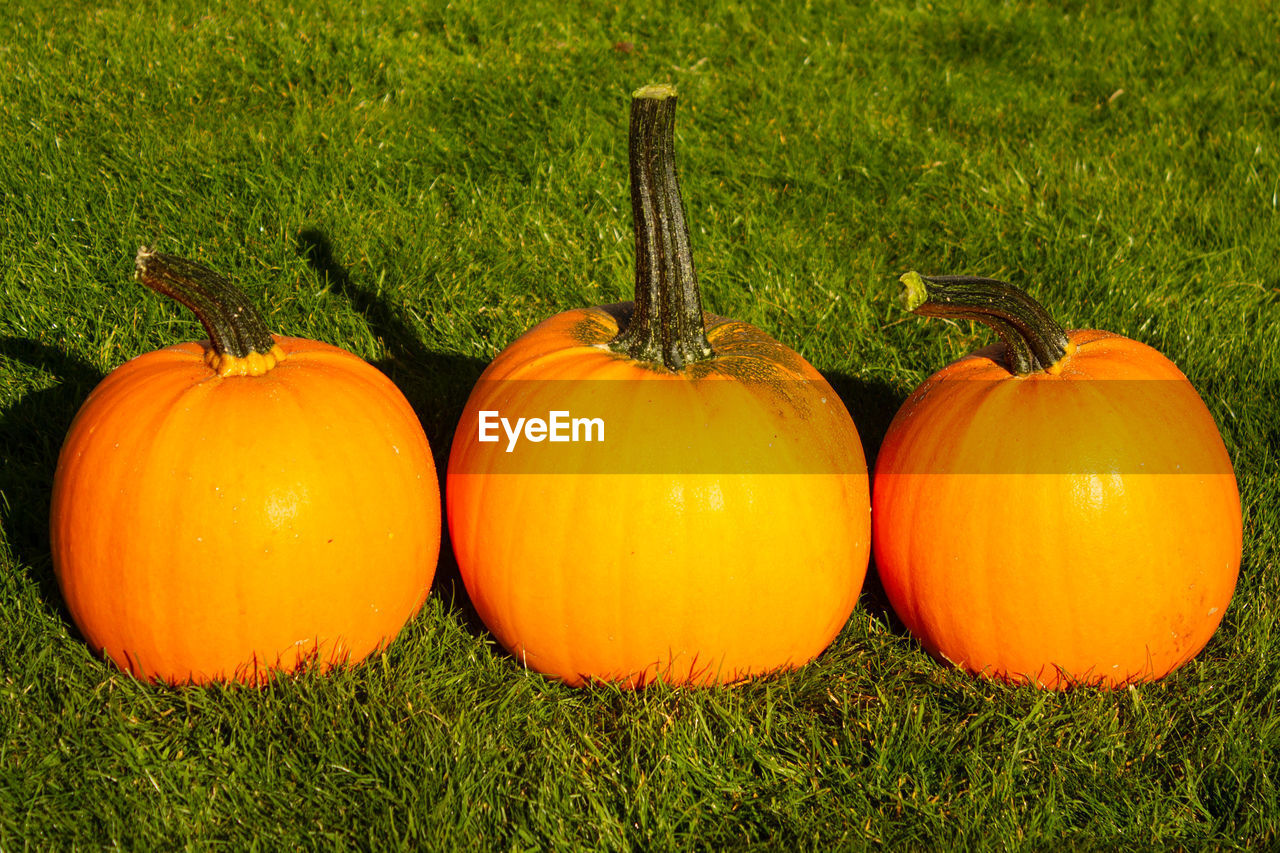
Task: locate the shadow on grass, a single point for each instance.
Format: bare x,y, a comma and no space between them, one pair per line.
31,435
436,385
872,406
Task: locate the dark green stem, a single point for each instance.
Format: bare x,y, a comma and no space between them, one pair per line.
666,325
1034,340
234,326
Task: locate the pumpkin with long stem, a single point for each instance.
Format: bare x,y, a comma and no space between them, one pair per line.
1057,509
718,529
238,507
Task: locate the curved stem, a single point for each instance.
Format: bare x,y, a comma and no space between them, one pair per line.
1035,342
666,325
241,343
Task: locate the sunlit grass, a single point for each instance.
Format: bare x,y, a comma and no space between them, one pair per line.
420,186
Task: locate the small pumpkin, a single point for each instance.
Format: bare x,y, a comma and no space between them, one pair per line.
1057,509
721,529
233,508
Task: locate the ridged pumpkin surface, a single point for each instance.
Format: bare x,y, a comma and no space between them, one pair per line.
690,559
1075,525
208,527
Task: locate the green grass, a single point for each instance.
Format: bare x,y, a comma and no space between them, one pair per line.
420,186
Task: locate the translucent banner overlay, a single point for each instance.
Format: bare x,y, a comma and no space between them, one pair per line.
729,427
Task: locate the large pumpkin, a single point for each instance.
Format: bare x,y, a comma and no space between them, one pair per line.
241,506
1057,509
720,529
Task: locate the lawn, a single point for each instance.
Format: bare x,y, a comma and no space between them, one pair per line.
420,184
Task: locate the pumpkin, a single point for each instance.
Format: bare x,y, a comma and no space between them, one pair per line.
1057,509
721,528
242,506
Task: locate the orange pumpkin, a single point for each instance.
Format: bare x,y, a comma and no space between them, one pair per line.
1057,509
234,508
721,528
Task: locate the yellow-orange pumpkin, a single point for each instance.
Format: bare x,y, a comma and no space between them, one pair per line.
1057,509
229,509
721,530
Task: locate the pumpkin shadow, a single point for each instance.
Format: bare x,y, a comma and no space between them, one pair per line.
31,435
872,405
436,384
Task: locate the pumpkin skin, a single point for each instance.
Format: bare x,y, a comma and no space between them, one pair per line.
209,527
722,530
1079,524
605,572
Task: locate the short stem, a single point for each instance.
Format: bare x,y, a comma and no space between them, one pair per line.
1035,342
666,325
241,343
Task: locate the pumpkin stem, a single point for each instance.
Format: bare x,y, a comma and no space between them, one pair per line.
666,324
1035,342
241,344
